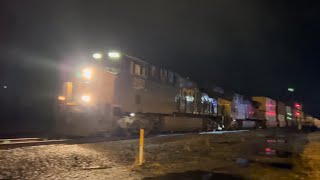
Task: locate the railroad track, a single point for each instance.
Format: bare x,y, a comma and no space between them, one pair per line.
25,142
22,142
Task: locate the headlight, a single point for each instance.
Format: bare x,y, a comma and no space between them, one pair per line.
97,55
87,73
85,98
61,98
114,55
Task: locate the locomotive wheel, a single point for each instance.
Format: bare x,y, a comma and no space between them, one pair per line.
140,122
234,125
212,126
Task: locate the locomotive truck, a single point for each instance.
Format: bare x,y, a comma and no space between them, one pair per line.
114,92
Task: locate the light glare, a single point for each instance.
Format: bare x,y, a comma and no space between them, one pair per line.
290,89
87,73
86,98
114,55
97,55
61,98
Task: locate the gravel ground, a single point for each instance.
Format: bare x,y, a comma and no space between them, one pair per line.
163,155
310,158
57,162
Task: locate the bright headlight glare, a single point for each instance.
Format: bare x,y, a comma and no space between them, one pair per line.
87,73
85,98
61,98
114,55
97,56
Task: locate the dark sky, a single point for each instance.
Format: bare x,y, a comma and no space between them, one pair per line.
255,47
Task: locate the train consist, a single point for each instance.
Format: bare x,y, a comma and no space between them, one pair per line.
115,92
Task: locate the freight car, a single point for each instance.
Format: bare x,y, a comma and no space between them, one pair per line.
115,92
243,112
289,116
267,111
281,114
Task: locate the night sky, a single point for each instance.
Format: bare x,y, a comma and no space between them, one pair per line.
253,47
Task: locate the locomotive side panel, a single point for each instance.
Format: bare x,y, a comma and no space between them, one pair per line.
159,98
138,92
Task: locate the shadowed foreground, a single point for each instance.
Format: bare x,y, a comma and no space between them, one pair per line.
260,154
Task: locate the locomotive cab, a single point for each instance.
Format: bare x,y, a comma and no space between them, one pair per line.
86,104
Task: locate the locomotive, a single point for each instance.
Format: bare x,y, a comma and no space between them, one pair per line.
118,93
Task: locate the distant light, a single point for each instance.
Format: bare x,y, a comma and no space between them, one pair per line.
132,114
86,98
5,87
268,149
290,89
114,55
289,114
97,55
61,98
87,73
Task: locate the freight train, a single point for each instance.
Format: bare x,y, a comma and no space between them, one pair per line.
117,93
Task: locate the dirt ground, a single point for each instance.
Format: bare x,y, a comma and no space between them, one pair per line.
258,154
